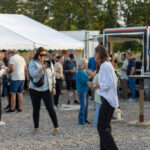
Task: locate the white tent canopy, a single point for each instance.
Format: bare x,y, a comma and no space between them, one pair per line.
10,40
21,32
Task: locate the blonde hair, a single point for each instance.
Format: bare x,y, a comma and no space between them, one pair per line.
81,63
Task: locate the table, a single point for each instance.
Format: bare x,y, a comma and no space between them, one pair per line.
141,98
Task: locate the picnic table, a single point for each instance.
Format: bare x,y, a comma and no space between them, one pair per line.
141,94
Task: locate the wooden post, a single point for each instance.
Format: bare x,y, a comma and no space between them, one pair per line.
141,103
111,45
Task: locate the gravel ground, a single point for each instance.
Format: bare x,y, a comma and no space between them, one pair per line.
17,134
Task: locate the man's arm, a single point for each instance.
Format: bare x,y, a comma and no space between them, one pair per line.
11,68
132,71
26,72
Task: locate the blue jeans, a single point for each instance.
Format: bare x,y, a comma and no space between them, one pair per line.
16,86
83,111
96,114
132,87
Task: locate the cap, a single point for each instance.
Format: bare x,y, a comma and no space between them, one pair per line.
71,56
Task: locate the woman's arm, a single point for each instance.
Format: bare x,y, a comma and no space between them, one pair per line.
34,71
57,70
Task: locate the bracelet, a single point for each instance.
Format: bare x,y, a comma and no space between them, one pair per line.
53,87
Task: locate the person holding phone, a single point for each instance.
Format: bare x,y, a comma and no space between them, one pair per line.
37,70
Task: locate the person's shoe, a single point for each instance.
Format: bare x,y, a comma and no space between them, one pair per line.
10,111
7,107
57,106
36,130
87,122
76,102
81,124
2,123
19,110
56,131
131,100
68,103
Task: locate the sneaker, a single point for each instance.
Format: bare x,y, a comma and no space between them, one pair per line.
7,107
76,102
131,100
68,103
87,122
57,106
19,110
10,111
2,123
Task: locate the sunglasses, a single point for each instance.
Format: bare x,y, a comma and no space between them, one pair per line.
43,55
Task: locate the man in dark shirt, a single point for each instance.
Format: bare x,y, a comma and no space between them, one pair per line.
131,71
70,76
92,64
92,67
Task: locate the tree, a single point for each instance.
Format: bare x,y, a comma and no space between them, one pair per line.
135,13
111,8
8,6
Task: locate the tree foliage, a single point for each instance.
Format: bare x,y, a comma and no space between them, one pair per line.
134,46
82,14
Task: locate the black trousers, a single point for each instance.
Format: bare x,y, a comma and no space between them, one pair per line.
58,91
104,128
36,97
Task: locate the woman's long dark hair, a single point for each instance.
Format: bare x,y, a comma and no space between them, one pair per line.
103,54
38,51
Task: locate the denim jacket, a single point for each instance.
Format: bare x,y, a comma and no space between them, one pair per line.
49,76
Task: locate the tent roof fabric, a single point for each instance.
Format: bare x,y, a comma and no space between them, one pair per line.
38,34
11,40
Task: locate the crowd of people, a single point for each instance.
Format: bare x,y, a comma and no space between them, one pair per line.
96,77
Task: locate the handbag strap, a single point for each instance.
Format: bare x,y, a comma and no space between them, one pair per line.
37,68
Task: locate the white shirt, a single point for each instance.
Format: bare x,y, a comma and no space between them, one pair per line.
19,65
108,84
123,73
1,72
